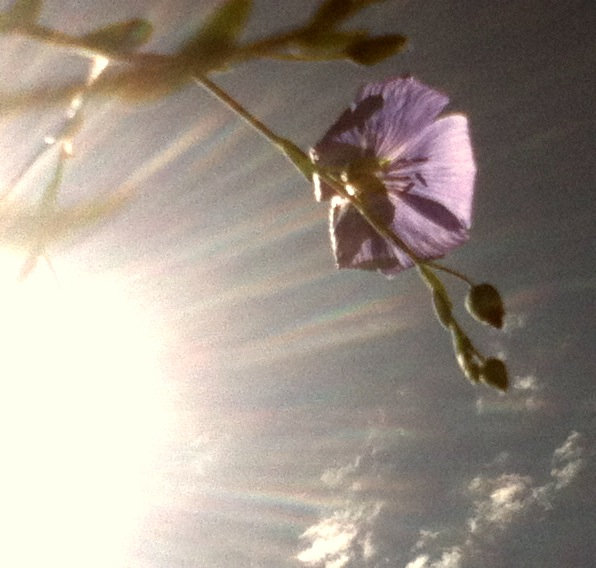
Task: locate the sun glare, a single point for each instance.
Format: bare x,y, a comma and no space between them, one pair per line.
83,413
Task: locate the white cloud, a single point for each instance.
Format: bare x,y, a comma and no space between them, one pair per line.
420,562
426,537
567,461
524,396
449,559
499,502
341,538
367,531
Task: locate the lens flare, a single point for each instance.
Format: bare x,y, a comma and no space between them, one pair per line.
84,412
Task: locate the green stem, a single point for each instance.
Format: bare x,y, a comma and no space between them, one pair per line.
451,271
300,159
239,110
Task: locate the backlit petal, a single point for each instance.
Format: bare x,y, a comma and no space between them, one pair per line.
426,227
356,244
382,119
448,172
410,107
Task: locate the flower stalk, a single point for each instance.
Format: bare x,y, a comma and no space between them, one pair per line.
470,360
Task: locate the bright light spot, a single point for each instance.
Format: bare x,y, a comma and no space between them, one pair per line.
83,411
98,65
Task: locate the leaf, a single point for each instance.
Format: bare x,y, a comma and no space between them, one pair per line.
122,36
371,51
25,11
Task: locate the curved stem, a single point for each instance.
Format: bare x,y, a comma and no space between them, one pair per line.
451,271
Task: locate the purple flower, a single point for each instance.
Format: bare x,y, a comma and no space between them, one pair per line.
413,171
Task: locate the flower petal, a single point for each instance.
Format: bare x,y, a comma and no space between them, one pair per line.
448,171
382,119
426,227
356,244
410,107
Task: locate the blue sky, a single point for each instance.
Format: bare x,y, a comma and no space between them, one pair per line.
285,414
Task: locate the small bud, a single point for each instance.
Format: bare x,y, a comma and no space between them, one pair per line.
470,369
484,304
464,353
494,373
370,51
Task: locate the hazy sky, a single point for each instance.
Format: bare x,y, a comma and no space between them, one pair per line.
285,414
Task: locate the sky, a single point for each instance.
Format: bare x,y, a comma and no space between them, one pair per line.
196,385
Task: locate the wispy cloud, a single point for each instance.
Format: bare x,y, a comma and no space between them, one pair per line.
342,538
374,525
567,461
525,396
499,503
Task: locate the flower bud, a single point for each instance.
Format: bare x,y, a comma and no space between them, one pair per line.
332,12
464,353
494,373
470,369
485,305
370,51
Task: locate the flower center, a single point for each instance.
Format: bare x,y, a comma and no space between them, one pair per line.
406,181
362,176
